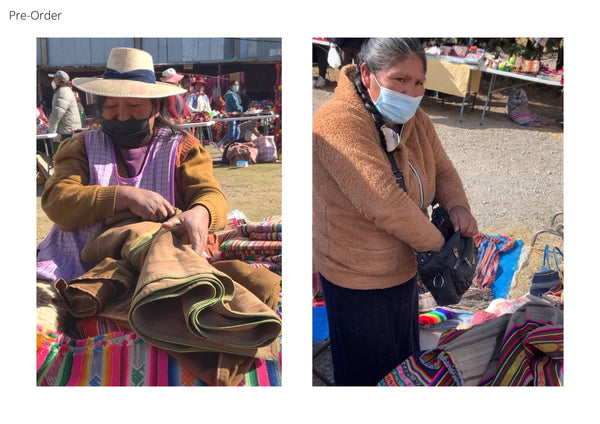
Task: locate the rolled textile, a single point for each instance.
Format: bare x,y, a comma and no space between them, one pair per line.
265,236
271,224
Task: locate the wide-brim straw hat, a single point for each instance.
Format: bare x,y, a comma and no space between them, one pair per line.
129,73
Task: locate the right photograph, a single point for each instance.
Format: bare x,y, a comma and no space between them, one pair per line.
438,211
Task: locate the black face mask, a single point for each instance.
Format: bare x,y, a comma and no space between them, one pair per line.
126,134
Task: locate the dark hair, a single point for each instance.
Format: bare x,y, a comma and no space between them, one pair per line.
379,54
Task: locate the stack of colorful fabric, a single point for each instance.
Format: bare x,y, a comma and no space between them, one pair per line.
257,243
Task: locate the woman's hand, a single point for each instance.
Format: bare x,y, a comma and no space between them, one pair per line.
195,222
463,220
147,204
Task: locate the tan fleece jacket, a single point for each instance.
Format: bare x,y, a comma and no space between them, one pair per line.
366,229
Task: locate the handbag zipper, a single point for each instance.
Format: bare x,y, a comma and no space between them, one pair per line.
420,183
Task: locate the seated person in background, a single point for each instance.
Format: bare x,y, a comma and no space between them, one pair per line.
245,99
249,130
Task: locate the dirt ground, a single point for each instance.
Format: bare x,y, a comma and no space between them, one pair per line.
513,175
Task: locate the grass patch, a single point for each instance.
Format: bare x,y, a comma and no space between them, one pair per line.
254,190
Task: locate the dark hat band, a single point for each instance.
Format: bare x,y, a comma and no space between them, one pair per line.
142,75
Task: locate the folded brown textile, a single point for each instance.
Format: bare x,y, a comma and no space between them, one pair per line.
180,302
263,283
110,280
213,319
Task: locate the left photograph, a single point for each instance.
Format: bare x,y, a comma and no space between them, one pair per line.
159,226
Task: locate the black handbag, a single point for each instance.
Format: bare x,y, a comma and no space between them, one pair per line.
449,273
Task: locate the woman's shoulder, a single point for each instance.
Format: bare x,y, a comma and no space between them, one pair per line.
340,114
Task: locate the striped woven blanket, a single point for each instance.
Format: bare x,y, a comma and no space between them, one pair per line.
520,349
235,247
123,359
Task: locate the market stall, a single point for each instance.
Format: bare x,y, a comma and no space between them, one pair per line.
454,78
457,71
197,127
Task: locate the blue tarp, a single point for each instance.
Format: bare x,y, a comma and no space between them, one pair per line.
507,266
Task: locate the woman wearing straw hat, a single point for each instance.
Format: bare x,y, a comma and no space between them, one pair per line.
136,162
197,100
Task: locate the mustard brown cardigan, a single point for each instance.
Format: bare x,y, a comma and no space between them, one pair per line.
366,229
71,203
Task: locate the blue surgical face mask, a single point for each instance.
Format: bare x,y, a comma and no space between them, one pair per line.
235,88
394,106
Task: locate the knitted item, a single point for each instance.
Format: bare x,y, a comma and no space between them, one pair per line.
434,317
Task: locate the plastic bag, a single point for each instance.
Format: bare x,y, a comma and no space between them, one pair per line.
333,57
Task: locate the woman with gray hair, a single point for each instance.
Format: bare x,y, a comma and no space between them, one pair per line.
367,229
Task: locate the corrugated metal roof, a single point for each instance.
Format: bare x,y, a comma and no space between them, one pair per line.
77,52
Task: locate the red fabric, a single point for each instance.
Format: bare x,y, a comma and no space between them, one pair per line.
169,106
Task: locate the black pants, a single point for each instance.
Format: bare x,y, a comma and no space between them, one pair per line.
371,331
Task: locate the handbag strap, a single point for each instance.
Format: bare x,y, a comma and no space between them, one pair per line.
554,251
396,171
546,260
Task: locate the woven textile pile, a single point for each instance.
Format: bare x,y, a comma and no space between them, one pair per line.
256,243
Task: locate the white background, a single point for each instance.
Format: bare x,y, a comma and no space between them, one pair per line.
296,23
